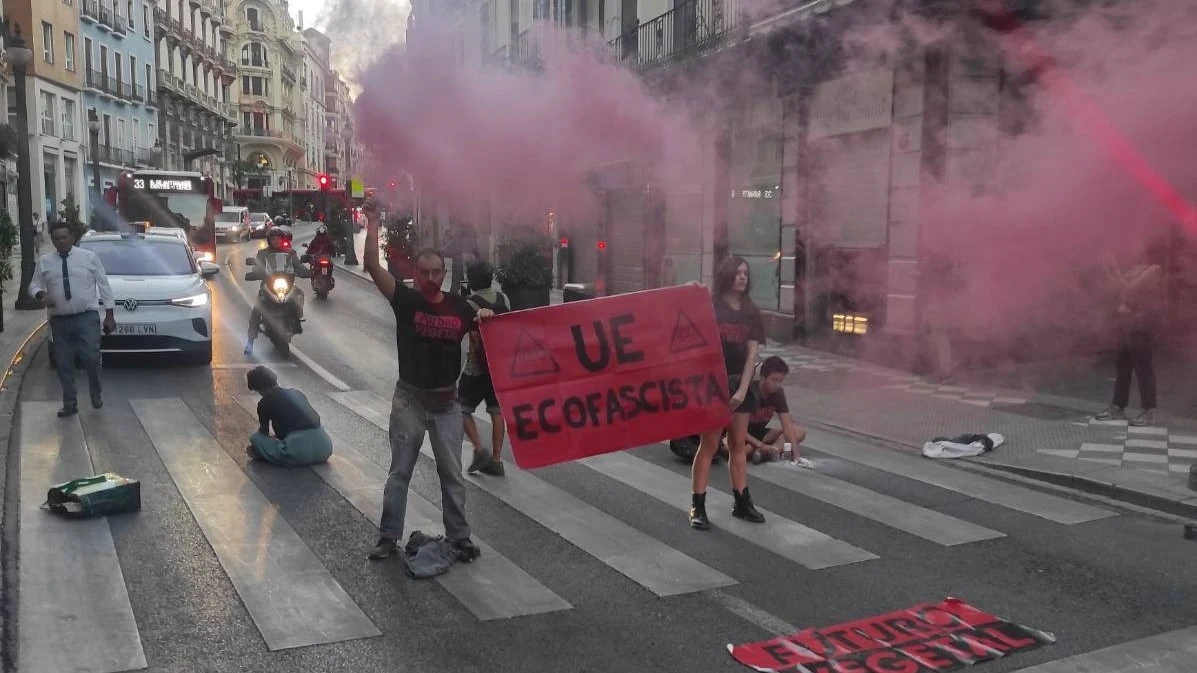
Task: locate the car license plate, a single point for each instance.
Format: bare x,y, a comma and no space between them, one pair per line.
136,329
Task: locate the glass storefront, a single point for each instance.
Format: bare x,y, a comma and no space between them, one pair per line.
754,209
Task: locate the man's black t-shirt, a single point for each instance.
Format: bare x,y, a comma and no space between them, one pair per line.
428,338
736,329
770,405
289,411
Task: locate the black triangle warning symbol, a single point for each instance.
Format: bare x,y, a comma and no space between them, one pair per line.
685,335
531,357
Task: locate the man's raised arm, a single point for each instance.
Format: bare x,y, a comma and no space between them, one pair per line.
383,279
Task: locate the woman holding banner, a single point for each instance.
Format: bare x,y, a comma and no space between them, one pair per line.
741,330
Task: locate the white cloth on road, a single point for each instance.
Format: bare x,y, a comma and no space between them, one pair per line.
963,446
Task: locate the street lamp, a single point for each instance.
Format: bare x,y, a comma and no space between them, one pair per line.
20,56
93,130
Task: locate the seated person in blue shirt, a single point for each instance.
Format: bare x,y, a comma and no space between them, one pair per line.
298,438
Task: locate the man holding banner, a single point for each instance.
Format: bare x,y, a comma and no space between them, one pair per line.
429,328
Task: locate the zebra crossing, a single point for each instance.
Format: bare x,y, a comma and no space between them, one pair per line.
73,589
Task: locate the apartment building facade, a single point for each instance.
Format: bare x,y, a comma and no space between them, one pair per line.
118,66
194,81
270,134
317,54
340,148
51,29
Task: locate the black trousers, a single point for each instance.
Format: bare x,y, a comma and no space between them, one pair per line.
1134,354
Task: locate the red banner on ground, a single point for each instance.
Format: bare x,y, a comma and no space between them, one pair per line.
592,377
927,638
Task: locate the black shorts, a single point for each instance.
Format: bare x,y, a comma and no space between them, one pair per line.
474,390
751,402
758,430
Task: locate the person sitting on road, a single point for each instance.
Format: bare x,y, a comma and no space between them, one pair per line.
765,443
277,241
322,243
475,385
298,439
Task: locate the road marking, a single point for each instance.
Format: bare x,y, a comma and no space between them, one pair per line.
1172,652
299,355
747,611
798,543
251,365
74,610
1028,501
650,563
291,597
925,523
491,588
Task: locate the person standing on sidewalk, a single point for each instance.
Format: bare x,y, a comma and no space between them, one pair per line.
476,385
429,328
72,284
1138,296
741,330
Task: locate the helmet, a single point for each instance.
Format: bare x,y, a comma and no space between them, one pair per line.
276,232
286,231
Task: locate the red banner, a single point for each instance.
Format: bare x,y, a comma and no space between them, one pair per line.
602,375
927,638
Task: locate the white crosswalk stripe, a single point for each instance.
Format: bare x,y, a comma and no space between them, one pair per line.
292,598
494,589
294,601
652,564
72,590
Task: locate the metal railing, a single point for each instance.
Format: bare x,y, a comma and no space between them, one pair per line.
151,97
126,90
255,132
161,18
139,93
119,24
95,79
695,26
288,73
115,155
90,9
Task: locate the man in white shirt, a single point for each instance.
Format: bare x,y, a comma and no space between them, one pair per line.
72,284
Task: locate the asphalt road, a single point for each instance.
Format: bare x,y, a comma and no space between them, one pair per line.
1092,584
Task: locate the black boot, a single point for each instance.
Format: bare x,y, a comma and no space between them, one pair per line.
698,511
744,509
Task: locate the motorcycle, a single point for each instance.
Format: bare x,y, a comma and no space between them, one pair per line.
322,274
277,297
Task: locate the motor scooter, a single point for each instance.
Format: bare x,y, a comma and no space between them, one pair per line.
322,274
277,302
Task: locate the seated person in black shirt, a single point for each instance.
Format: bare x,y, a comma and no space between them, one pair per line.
298,438
765,443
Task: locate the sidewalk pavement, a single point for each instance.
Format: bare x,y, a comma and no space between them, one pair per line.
1049,437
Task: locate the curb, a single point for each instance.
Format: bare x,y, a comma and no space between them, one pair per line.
12,380
1065,480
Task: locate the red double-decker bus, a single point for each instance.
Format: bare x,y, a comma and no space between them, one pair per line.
183,199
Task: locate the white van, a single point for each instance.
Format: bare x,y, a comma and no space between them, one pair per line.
233,224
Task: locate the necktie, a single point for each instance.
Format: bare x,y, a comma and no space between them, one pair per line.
66,279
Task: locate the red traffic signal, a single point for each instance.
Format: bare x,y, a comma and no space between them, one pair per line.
322,180
393,185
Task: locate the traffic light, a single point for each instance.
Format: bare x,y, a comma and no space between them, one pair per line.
322,180
393,185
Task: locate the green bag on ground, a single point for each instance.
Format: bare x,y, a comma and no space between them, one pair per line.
98,495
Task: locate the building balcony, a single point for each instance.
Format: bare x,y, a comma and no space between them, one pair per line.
89,10
145,157
115,156
690,28
117,22
288,73
94,80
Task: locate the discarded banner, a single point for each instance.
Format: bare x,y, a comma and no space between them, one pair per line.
931,637
592,377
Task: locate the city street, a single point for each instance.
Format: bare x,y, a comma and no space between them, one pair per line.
239,566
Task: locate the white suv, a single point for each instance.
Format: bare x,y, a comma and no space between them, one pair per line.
163,304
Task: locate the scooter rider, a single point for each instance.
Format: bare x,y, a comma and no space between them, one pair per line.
278,241
322,244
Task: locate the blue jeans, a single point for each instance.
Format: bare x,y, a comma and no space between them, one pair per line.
410,419
77,337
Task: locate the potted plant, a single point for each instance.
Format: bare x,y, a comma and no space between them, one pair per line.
526,269
8,241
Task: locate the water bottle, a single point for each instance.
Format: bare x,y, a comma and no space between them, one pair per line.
788,451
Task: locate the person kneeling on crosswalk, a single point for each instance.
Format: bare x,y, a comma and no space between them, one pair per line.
765,443
298,437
